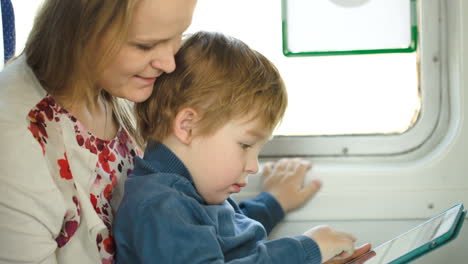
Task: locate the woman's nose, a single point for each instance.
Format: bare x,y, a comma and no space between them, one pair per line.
164,62
163,59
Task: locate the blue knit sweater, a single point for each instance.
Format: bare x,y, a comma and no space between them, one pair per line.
162,219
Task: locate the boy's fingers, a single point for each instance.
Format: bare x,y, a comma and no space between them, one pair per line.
347,245
347,236
281,164
307,164
313,187
267,168
362,249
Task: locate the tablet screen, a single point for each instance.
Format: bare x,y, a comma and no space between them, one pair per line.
425,233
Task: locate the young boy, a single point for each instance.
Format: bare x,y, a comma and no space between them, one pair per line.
205,124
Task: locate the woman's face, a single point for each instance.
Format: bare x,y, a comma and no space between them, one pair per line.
154,38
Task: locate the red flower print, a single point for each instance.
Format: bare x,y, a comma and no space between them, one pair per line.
108,192
80,140
71,227
89,145
97,181
113,178
77,203
68,229
100,144
109,244
65,168
67,232
122,147
98,241
94,203
46,107
104,157
61,240
111,144
37,127
109,260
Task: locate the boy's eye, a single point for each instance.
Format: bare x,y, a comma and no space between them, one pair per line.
244,146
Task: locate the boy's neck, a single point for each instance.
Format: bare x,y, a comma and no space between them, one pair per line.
178,148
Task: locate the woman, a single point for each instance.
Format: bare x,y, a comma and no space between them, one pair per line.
68,132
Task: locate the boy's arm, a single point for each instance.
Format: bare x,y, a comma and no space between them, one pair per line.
265,209
169,233
285,190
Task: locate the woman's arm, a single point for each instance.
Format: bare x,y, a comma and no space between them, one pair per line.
30,204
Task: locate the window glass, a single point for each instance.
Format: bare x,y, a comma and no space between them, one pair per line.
25,11
330,95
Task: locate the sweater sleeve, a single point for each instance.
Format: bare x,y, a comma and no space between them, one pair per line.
265,209
30,203
160,233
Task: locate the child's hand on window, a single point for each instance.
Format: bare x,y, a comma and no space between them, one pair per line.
284,179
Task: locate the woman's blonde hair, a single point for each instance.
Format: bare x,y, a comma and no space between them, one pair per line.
71,43
222,79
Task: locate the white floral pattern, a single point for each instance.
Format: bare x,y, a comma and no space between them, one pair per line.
115,161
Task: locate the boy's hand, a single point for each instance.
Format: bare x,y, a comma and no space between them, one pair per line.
333,245
284,179
357,252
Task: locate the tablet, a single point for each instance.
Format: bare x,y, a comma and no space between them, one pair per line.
418,241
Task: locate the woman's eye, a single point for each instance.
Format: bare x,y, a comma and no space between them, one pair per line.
144,47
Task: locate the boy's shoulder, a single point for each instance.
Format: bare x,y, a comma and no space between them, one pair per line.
153,189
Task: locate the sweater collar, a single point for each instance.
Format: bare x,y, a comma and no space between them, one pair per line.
159,158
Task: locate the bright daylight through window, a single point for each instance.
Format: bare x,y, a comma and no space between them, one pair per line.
328,95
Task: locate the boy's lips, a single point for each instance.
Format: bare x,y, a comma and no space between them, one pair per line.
237,187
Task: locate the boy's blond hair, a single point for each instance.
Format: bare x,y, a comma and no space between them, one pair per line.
222,79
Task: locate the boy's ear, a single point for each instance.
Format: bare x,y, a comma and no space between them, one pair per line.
184,124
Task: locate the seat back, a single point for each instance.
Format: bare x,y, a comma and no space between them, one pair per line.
8,35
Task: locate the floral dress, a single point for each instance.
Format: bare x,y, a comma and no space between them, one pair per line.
115,160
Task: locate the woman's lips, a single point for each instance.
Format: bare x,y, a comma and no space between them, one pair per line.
147,80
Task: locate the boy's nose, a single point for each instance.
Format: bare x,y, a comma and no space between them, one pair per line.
252,166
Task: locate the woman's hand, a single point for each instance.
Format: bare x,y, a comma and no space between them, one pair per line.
284,179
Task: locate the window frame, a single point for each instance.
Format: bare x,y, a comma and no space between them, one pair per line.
427,131
289,53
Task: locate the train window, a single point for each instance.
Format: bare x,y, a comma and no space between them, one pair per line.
337,27
25,11
369,105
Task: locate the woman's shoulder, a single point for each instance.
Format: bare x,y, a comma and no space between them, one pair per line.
31,137
19,91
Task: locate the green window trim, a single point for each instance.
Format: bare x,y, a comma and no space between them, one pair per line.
288,53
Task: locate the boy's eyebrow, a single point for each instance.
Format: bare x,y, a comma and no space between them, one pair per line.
257,133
